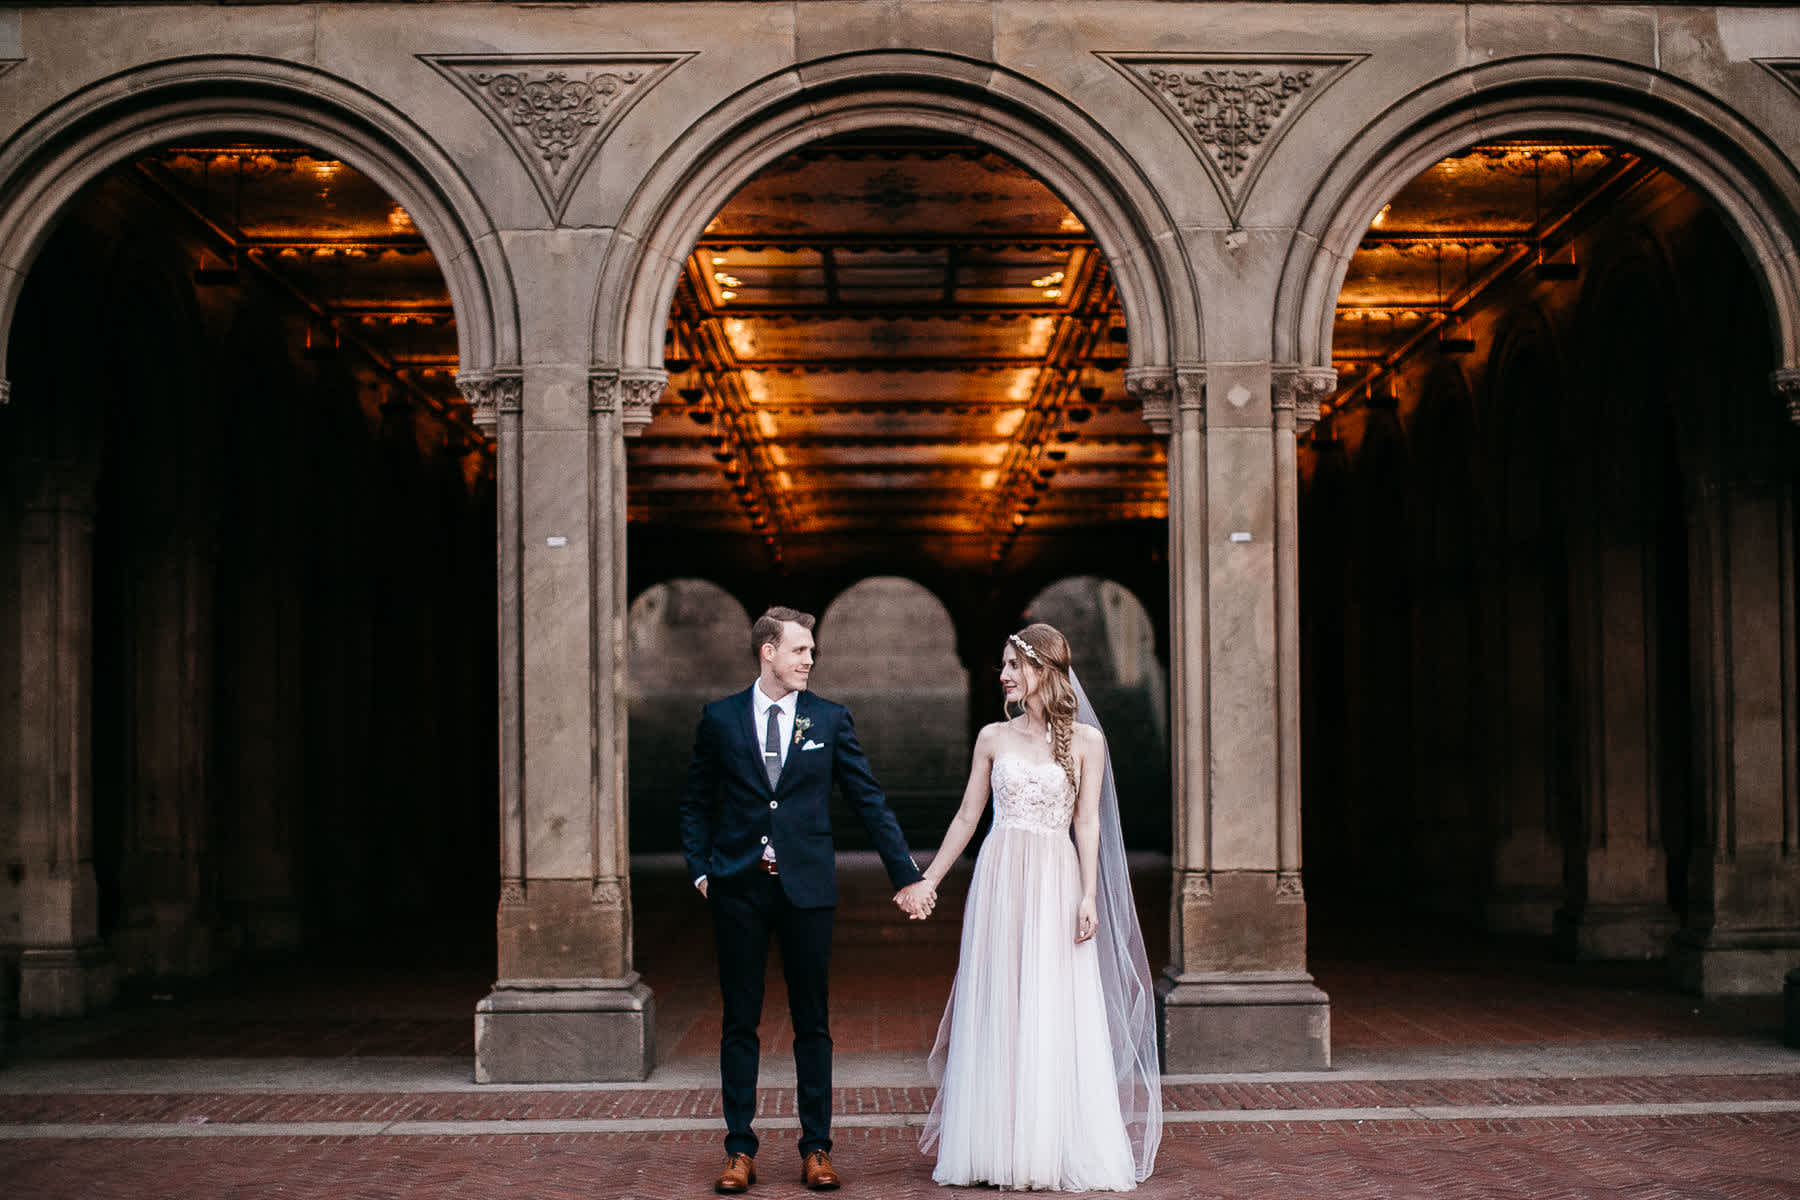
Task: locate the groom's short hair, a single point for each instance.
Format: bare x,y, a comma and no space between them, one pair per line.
767,629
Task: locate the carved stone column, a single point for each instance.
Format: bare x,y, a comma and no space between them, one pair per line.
1617,906
567,1006
1742,928
1236,994
64,970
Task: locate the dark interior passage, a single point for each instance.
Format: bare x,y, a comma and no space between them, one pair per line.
235,473
1517,651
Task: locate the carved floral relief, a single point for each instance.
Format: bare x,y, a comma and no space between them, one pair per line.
1232,109
555,111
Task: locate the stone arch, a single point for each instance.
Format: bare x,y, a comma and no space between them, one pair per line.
718,626
1115,598
1044,133
888,595
688,643
887,650
1724,157
1112,640
70,144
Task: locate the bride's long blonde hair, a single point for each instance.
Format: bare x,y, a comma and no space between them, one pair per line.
1047,654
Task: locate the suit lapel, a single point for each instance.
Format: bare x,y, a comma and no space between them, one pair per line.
751,739
792,769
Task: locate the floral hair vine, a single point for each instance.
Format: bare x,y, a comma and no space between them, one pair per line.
1025,648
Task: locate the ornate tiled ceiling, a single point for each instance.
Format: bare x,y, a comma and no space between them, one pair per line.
1471,221
331,241
884,334
893,335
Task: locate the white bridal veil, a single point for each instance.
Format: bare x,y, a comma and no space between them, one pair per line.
1125,974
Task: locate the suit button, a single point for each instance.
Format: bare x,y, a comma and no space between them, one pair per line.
765,841
772,804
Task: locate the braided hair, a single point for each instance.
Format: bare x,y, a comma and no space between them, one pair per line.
1046,650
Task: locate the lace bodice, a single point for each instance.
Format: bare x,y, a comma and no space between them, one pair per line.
1031,795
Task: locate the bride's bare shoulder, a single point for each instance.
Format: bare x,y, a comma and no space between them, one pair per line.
1087,737
991,733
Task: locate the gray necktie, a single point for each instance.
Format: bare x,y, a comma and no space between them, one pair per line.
772,745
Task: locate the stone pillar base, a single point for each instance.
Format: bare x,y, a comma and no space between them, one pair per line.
565,1031
1615,932
1242,1022
1733,963
66,981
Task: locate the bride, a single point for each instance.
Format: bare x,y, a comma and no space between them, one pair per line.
1046,1058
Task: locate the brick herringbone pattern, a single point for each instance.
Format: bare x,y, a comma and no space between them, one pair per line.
1715,1158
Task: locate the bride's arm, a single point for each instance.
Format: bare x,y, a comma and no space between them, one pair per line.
1091,759
968,814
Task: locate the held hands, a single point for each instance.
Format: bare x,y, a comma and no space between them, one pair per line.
917,899
1087,920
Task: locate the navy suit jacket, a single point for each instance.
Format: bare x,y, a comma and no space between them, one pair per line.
728,811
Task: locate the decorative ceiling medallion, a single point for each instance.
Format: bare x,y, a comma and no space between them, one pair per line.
555,109
1787,70
1233,108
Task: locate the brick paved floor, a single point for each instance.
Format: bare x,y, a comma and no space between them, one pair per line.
1650,1128
1712,1157
1247,1094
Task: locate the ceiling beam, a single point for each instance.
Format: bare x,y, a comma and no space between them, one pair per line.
1028,242
158,183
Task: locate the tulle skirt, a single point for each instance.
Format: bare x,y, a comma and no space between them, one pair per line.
1026,1093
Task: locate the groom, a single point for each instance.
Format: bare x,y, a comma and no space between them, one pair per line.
757,833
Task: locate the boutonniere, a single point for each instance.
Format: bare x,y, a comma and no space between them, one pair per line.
801,725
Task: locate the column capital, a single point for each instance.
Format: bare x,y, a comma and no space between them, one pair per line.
1153,388
631,392
1296,393
1164,391
1786,383
490,393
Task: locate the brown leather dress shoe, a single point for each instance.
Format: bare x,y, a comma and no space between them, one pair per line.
738,1175
816,1172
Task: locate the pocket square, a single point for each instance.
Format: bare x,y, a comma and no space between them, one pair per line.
812,745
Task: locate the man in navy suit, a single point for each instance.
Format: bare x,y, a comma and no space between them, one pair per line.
756,828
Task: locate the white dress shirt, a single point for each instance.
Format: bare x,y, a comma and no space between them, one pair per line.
761,704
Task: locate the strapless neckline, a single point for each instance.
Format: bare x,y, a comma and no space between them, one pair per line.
1031,764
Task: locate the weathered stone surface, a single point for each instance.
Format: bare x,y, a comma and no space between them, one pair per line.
1231,1024
1243,923
827,27
575,1034
66,981
558,929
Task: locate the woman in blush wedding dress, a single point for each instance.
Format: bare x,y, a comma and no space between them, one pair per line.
1046,1058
